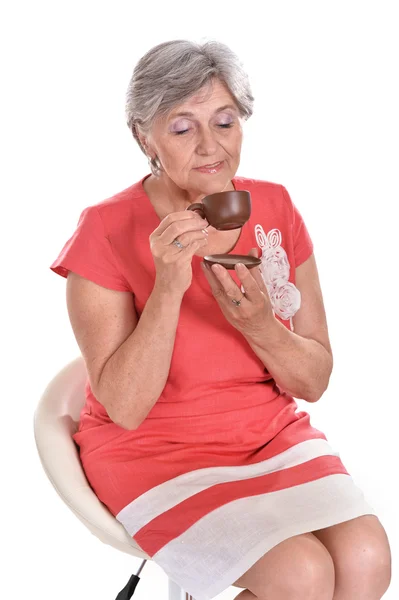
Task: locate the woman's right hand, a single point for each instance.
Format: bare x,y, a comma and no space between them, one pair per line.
173,264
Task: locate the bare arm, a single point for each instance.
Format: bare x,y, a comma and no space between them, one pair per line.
300,366
128,361
300,362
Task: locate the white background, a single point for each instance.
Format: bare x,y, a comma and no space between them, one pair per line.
324,75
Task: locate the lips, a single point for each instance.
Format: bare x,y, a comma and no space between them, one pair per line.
211,168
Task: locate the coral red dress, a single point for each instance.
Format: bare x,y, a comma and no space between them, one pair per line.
224,467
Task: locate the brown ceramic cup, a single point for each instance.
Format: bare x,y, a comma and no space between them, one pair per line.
225,210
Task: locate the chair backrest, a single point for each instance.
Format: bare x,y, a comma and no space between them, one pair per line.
56,420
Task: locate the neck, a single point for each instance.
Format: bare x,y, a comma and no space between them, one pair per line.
174,196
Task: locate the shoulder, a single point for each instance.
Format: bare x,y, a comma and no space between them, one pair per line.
118,209
121,202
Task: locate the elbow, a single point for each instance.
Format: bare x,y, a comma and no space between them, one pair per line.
118,415
127,419
123,420
132,415
127,425
316,392
314,396
124,423
308,394
320,385
127,413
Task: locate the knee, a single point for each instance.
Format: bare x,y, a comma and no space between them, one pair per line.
373,565
363,561
304,570
313,576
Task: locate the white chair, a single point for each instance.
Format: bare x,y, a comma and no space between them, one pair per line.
56,420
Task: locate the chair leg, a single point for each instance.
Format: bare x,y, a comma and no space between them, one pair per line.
176,592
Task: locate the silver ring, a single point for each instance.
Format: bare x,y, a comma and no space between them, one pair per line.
237,302
178,244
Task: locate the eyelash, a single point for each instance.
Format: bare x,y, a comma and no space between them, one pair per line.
222,125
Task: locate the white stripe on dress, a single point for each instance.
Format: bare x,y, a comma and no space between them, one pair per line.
165,496
211,555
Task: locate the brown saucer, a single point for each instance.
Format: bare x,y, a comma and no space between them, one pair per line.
229,261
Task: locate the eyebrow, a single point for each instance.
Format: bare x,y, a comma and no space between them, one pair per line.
190,114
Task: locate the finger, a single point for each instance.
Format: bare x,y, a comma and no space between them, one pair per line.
256,271
257,275
192,236
182,215
177,228
191,248
187,252
213,281
254,289
226,283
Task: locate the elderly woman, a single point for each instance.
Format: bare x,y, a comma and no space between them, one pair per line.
190,434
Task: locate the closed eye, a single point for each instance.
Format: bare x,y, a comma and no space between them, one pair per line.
222,125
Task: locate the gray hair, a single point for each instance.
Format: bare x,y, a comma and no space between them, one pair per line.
172,72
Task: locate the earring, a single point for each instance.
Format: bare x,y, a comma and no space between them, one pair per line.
155,165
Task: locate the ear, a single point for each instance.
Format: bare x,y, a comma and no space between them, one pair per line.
145,144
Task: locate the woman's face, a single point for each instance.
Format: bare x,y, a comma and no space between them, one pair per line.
199,142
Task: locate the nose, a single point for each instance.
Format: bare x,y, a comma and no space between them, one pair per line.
206,142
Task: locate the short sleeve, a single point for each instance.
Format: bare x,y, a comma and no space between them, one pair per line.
303,245
89,254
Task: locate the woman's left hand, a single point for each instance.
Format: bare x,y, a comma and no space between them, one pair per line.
255,313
